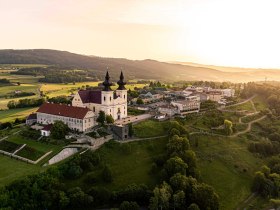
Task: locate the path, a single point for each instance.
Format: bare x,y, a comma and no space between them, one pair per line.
242,102
19,149
246,202
140,139
248,129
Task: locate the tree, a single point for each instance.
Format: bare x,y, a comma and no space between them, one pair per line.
175,165
193,206
179,200
177,145
228,127
161,198
173,132
205,197
101,117
59,130
109,119
139,101
107,174
180,182
126,205
275,203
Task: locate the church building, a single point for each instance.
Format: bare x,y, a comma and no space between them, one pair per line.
113,103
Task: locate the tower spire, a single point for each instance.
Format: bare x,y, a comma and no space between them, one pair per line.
121,82
107,84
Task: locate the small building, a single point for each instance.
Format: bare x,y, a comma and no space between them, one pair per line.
203,96
160,117
215,95
31,119
150,97
46,130
228,92
168,110
190,105
120,132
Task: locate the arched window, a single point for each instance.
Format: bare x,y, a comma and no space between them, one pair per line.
104,98
124,96
110,98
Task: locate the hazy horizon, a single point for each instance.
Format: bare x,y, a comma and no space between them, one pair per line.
219,32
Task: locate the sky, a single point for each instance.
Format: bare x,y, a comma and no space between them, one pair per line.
243,33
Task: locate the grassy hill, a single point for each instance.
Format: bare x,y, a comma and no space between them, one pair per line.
140,69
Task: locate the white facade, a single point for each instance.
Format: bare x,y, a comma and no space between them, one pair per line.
45,133
192,104
112,103
228,92
73,123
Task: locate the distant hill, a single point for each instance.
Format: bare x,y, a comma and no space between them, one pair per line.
140,69
223,68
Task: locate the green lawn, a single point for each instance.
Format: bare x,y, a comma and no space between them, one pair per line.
246,106
40,146
30,153
151,128
130,163
12,114
260,104
228,166
12,169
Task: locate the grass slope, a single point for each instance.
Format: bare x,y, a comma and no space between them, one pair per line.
12,169
130,163
226,165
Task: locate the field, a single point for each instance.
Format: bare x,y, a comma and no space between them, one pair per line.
242,107
150,128
227,165
52,90
40,146
12,169
136,160
12,114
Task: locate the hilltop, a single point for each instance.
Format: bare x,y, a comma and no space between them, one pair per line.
139,69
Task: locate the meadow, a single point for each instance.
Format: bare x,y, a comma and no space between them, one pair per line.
12,169
12,114
136,160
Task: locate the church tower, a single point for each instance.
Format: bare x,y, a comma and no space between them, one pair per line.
107,93
121,92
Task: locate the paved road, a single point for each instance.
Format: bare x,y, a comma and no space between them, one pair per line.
141,139
243,102
133,119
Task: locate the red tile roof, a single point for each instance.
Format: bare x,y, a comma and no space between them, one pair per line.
90,96
63,110
47,127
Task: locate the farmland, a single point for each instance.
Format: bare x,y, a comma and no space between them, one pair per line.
29,83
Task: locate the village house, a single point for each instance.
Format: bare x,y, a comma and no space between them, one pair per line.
168,110
113,103
151,97
215,95
190,105
77,118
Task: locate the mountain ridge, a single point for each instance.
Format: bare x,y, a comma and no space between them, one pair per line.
133,69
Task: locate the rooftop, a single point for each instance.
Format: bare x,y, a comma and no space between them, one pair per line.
63,110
